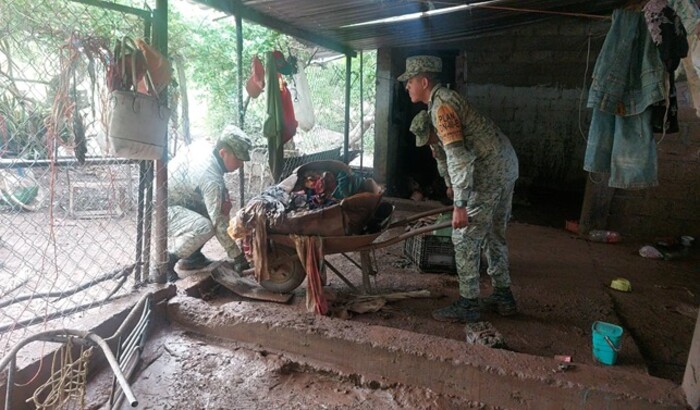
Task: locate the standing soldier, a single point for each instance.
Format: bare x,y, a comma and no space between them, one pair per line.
481,169
199,203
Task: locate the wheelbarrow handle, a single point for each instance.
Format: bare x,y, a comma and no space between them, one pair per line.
414,232
415,217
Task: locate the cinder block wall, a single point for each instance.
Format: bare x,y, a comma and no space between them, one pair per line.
529,80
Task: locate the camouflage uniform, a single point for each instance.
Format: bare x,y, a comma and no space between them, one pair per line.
481,169
198,198
421,126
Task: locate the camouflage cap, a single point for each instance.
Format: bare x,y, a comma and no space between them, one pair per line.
237,141
421,64
420,126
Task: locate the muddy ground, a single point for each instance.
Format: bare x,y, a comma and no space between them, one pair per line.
561,284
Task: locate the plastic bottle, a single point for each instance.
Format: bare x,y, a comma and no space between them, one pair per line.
604,236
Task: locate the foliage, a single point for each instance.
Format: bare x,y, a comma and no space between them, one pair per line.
209,50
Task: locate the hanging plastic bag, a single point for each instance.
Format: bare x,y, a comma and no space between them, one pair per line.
301,97
290,121
158,67
256,82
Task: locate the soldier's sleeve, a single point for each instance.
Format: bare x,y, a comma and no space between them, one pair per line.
213,194
441,158
460,162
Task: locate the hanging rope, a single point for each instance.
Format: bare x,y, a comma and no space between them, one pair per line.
67,381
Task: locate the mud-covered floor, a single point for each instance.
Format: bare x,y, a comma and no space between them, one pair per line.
561,283
180,370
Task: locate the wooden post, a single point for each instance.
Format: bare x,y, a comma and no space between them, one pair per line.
160,41
596,204
385,138
691,380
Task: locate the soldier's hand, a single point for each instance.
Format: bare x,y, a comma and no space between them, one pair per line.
460,218
450,193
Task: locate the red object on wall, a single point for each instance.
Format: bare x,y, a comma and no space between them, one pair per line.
290,121
256,81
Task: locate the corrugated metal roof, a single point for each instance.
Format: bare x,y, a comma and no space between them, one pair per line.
329,23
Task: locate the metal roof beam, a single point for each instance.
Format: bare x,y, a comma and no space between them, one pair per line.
236,7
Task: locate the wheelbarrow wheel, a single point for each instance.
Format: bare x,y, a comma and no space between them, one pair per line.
285,276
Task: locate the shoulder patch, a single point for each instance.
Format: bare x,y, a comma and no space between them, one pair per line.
449,126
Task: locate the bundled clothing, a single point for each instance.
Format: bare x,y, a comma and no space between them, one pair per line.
633,94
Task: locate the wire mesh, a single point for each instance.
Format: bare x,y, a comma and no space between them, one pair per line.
67,208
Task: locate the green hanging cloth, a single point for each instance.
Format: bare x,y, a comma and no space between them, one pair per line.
274,123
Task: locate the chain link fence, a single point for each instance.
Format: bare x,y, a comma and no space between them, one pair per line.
68,209
71,214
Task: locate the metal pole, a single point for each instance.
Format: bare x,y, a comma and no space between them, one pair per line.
140,203
10,383
241,112
346,142
160,37
362,111
148,219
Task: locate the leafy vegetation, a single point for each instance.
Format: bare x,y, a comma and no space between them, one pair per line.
34,32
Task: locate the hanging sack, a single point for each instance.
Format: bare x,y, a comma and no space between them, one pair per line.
256,82
138,122
301,93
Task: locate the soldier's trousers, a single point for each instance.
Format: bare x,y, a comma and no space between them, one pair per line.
489,213
187,231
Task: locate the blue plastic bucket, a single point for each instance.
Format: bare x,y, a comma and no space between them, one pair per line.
606,342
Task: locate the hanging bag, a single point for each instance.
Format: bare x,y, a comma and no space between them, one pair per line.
138,122
256,82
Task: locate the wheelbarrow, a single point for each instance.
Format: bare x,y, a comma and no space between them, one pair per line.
287,272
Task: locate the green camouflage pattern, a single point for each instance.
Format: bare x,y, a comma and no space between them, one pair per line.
421,64
237,141
420,127
482,168
441,159
196,195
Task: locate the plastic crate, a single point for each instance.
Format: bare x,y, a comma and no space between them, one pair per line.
431,253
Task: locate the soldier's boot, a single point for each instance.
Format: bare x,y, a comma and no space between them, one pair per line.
195,261
462,310
170,274
500,301
240,263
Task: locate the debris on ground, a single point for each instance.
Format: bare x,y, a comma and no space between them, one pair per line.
621,284
484,334
402,262
344,306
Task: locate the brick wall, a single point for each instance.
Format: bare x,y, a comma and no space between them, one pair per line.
529,81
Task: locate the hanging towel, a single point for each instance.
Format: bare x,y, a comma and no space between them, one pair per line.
274,123
310,252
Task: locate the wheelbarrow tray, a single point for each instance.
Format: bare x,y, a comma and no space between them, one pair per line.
333,244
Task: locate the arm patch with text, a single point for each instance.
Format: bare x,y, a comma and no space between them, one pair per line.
448,125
